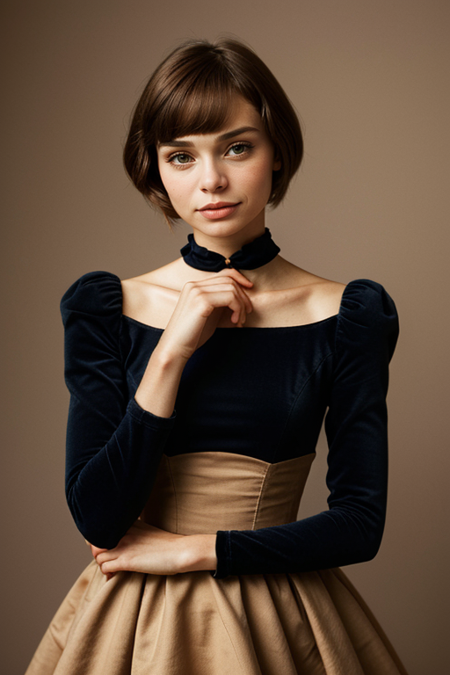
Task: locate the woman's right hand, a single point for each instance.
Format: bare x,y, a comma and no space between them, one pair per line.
200,308
194,319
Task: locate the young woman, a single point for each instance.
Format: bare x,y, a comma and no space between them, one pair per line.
198,391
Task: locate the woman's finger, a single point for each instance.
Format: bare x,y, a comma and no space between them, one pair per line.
96,551
217,277
110,567
245,300
107,555
212,282
235,274
242,294
213,299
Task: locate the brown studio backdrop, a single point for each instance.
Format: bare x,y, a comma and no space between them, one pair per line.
370,82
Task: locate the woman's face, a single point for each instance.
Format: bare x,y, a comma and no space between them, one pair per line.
220,182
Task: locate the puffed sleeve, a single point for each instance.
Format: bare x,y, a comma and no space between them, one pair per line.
356,428
113,446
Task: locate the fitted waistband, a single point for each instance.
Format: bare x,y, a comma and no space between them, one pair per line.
202,492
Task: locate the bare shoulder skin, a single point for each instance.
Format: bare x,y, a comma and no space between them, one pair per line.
283,295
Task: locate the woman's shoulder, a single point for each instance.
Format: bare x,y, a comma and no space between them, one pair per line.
366,301
322,296
151,298
148,298
360,300
96,293
368,318
363,309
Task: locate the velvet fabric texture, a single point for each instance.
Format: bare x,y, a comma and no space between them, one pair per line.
257,253
265,397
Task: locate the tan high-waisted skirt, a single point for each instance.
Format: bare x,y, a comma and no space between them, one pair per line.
312,623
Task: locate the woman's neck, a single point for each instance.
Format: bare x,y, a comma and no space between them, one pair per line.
278,274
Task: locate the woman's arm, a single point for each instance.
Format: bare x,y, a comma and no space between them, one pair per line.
114,445
356,425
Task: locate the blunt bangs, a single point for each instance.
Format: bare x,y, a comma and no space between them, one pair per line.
200,108
191,93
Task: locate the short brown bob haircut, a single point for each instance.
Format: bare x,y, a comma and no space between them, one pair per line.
190,93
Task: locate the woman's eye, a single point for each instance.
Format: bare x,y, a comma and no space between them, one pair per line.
180,158
240,148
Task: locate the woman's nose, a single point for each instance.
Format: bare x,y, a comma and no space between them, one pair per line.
212,177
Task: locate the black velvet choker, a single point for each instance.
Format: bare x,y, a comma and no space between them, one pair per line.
257,253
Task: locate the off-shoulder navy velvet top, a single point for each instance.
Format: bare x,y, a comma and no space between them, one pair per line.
265,397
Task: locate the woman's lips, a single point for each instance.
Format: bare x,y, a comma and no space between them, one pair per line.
219,211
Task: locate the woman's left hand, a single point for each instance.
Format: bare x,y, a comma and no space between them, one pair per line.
146,549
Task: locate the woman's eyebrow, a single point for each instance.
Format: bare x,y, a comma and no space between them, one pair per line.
222,137
235,132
